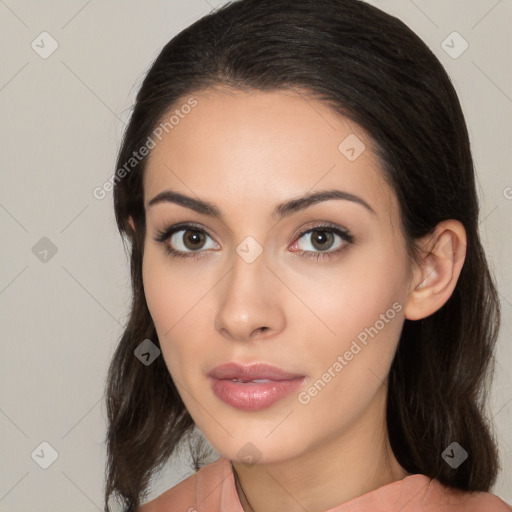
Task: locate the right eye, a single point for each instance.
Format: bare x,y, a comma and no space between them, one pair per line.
184,240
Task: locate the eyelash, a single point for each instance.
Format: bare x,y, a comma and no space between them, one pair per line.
163,235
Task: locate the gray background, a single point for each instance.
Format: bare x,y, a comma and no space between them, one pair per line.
61,125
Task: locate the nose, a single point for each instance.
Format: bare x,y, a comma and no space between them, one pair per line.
250,301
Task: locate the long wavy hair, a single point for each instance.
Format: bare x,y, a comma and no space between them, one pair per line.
370,67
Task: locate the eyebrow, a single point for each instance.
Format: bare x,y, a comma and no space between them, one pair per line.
282,210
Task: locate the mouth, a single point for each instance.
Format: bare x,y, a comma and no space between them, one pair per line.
253,372
254,387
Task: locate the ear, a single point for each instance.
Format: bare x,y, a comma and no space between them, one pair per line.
434,278
131,223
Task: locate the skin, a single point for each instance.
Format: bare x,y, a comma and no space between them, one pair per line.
247,152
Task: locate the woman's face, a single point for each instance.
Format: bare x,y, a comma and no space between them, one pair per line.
330,302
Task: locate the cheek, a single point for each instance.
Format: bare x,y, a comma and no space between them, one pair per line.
345,300
175,298
350,364
358,317
165,298
171,289
157,290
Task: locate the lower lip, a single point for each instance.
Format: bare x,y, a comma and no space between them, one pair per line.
250,396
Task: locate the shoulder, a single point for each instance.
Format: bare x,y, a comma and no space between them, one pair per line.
184,496
485,502
443,498
179,497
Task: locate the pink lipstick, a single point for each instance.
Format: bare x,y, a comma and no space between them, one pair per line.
252,387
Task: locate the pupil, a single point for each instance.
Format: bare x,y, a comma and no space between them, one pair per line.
320,238
194,238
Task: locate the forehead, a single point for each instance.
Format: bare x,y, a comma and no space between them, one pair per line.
260,148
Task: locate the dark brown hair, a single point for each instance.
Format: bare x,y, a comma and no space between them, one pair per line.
370,67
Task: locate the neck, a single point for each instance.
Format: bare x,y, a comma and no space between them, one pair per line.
342,468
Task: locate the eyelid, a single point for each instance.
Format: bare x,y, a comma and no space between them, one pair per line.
317,226
169,230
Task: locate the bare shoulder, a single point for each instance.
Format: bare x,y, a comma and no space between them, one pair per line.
179,498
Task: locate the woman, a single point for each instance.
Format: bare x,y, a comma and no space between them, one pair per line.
309,287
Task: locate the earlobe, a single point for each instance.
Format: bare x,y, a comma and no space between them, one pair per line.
435,278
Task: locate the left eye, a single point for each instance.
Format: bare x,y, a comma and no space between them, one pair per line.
323,239
187,240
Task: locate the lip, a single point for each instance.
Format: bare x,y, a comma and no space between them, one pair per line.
248,395
253,371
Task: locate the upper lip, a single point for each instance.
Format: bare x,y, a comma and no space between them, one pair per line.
254,371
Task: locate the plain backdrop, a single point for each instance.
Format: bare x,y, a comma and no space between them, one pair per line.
64,281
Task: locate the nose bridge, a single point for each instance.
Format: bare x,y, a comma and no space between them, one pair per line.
249,265
249,298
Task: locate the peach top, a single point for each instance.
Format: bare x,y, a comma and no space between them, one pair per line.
213,489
